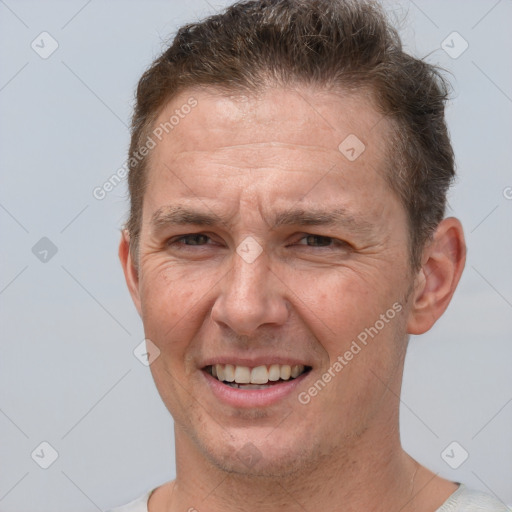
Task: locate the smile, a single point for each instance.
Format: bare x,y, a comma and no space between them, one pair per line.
259,377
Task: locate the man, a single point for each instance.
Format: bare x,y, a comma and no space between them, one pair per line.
288,174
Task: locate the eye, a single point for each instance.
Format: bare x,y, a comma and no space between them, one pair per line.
317,240
195,238
321,241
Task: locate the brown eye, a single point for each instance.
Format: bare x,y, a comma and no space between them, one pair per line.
318,240
195,238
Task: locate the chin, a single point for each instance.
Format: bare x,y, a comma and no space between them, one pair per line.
262,455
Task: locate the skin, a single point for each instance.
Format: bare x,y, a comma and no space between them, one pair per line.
245,159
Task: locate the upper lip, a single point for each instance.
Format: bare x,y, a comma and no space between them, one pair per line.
252,362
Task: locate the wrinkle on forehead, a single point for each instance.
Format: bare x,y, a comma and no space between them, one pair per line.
221,154
294,129
256,155
282,115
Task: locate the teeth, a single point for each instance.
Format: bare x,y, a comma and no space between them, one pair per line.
274,373
247,386
229,373
259,375
296,370
220,372
255,378
242,375
285,371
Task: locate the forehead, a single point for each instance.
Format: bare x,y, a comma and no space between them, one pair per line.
309,116
286,140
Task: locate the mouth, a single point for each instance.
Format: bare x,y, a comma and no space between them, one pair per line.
255,378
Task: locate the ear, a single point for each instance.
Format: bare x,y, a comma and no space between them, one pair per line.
131,274
442,265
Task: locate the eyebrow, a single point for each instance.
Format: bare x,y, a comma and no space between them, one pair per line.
182,215
337,217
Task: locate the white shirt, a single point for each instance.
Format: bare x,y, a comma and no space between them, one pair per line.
462,500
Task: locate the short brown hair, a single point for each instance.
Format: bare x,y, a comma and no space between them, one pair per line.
326,43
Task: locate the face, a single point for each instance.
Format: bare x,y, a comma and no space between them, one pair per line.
266,248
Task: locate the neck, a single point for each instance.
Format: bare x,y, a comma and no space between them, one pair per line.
374,474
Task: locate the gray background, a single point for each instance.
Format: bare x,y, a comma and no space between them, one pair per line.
68,375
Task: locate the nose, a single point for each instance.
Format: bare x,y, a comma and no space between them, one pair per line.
250,296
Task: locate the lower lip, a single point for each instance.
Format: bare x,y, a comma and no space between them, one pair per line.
237,397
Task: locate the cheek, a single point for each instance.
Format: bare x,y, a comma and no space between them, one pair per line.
336,304
352,318
171,301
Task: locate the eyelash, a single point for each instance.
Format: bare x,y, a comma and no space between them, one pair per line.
335,242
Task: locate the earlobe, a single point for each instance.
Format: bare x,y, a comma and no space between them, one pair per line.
443,262
129,268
